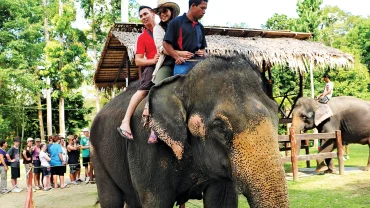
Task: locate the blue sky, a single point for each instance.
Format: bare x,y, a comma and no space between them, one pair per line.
256,12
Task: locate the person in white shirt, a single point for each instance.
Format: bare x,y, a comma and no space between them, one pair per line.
44,159
326,95
64,153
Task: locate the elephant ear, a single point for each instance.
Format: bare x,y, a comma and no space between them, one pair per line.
322,113
168,115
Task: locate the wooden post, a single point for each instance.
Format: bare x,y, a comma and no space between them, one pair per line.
293,144
29,200
338,135
307,150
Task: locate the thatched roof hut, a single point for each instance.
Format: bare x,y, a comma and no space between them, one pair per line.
265,48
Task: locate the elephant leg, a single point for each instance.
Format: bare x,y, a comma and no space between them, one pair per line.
331,167
367,168
157,197
110,195
220,194
328,146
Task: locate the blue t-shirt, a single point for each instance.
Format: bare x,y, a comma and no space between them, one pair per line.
185,35
2,152
85,142
54,151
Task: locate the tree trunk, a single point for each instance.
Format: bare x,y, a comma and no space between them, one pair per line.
49,123
48,108
61,98
113,93
41,121
97,100
93,31
62,128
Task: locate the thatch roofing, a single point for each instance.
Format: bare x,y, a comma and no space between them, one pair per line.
294,50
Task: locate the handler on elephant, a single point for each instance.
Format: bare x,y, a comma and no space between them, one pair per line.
185,33
326,95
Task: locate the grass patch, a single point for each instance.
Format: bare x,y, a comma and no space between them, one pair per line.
326,191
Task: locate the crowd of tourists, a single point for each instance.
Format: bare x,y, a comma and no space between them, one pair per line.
46,163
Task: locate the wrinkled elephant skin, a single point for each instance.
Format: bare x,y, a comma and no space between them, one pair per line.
218,132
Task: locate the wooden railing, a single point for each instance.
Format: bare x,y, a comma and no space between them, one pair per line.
295,157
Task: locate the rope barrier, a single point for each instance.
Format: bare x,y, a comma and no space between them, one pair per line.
62,165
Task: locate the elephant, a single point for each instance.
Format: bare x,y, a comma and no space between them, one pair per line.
218,135
351,115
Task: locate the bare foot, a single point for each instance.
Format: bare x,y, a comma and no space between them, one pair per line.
152,138
125,130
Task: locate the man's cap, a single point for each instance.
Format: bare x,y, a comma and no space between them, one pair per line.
17,139
29,139
61,135
85,129
37,140
326,76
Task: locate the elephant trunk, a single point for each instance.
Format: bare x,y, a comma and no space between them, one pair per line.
297,123
257,166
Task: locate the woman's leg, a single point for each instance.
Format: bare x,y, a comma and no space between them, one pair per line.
163,72
55,180
134,102
46,181
61,179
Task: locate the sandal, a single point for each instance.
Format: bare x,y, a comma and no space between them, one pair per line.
152,138
145,117
120,131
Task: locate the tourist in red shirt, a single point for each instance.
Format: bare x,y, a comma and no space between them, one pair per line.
146,56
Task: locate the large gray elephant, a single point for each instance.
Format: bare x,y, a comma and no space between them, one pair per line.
349,114
218,132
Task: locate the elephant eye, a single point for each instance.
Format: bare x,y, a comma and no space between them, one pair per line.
304,117
219,124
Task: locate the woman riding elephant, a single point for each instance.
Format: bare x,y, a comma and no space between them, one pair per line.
219,133
349,114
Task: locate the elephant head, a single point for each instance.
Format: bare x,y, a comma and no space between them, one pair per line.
308,114
221,114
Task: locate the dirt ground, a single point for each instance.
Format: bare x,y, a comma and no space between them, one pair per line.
75,196
85,195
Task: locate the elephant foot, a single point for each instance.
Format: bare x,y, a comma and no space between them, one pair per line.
321,168
330,171
367,168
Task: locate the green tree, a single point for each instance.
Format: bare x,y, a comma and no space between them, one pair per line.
21,49
359,37
66,54
279,22
74,115
309,16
